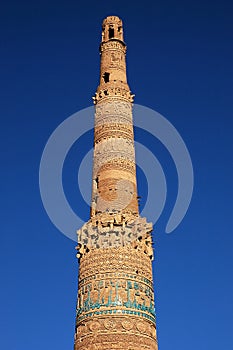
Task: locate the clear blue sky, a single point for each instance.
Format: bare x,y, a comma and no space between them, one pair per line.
180,64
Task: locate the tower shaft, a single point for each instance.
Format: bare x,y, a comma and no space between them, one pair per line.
114,175
115,304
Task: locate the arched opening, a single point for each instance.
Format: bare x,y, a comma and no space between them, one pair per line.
111,33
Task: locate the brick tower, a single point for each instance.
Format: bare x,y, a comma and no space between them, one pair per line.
115,304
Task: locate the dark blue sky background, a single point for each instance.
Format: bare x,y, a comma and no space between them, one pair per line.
179,64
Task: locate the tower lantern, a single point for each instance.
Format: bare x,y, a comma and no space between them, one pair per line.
112,29
115,303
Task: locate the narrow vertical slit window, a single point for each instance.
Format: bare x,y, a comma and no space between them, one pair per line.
106,76
111,33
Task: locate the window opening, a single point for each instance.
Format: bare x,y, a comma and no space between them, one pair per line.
106,77
111,33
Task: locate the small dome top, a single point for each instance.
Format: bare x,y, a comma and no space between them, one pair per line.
112,20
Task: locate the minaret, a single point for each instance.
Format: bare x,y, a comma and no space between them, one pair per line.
115,303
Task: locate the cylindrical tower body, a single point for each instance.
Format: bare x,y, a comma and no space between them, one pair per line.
114,174
115,306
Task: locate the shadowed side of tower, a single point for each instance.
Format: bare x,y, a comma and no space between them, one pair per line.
115,304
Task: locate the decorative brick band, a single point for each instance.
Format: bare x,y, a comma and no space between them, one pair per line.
113,131
116,298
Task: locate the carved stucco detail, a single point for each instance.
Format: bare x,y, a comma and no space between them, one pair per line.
106,230
109,324
113,45
118,324
116,148
120,110
120,260
113,131
127,324
104,94
111,119
94,326
122,333
113,59
112,149
121,164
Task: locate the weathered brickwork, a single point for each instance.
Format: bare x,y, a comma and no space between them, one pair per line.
108,230
115,301
116,298
113,110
